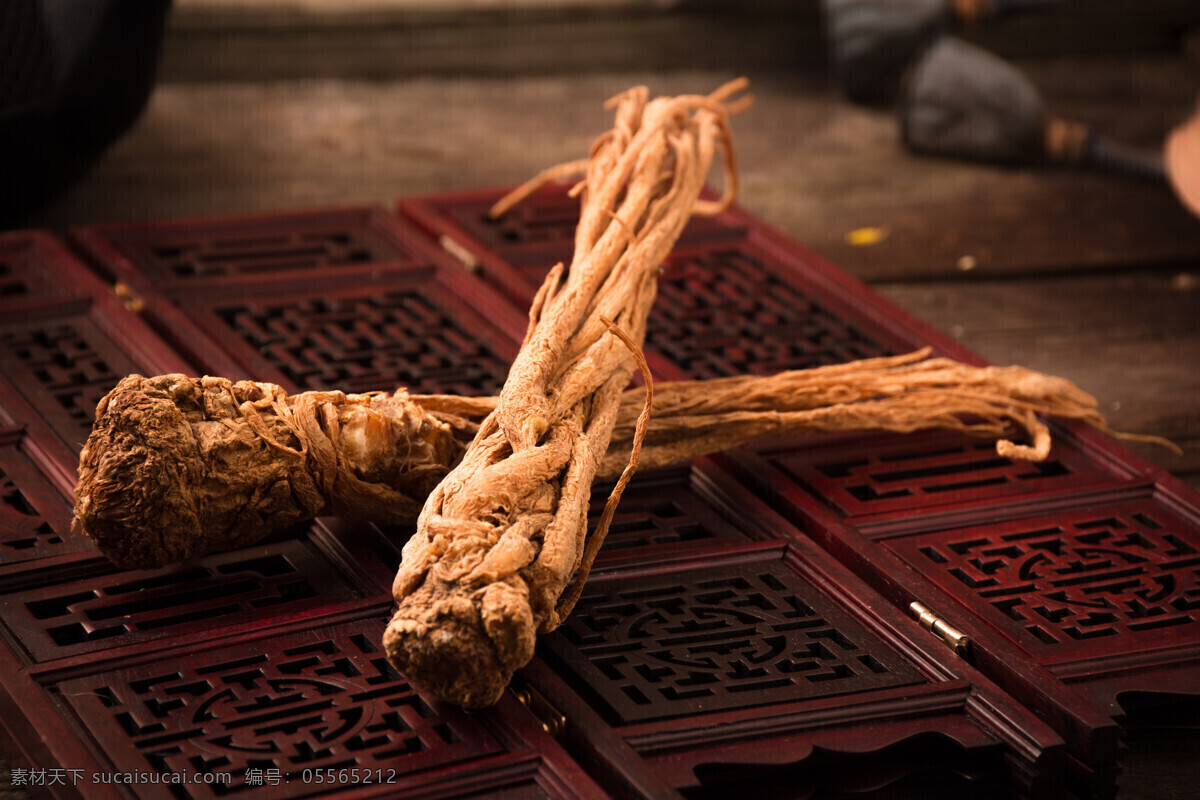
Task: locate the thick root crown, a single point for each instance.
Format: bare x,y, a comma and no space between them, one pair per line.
462,645
179,467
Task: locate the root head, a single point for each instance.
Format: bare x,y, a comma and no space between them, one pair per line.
131,499
462,647
163,479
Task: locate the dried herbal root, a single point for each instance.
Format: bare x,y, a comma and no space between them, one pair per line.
899,394
180,467
503,535
177,467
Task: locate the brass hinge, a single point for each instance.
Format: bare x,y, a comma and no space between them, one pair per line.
456,249
955,639
129,298
553,721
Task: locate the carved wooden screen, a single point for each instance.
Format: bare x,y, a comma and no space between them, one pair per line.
717,645
259,668
345,299
744,299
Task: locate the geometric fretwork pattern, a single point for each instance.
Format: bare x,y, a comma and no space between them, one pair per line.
724,313
300,702
716,639
216,253
398,338
71,618
29,270
23,531
878,474
549,219
660,509
545,223
35,519
1093,581
61,373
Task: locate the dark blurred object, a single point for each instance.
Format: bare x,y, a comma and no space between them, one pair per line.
74,75
963,102
874,41
1182,156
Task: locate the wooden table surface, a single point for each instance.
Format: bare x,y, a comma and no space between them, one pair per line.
1090,277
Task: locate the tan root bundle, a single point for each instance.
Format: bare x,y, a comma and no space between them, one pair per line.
503,535
178,467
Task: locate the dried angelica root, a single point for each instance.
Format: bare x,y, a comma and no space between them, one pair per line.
503,535
899,394
180,467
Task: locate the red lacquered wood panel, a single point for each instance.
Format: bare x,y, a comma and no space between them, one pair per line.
666,510
759,302
514,252
731,308
715,639
183,255
740,659
412,332
103,612
309,712
717,646
340,298
65,339
1102,583
731,299
35,517
898,481
31,264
